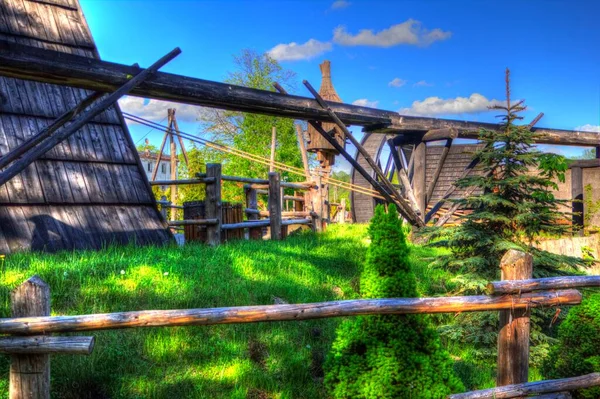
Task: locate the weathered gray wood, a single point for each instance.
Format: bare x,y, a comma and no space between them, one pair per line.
202,180
303,152
25,62
275,206
577,204
80,120
30,374
159,157
403,177
15,153
246,225
273,146
173,164
213,204
178,134
288,222
419,181
438,169
539,284
513,338
252,213
40,345
532,388
307,311
194,222
440,134
585,163
555,395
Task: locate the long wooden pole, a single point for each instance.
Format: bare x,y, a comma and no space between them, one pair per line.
40,345
539,284
532,388
83,118
25,62
273,146
306,311
303,152
181,143
173,165
438,169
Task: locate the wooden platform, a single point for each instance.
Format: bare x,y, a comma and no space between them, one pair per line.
90,189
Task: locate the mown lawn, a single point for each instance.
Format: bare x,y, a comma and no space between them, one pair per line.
267,360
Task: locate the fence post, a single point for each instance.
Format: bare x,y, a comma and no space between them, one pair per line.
30,374
254,233
342,212
213,204
513,338
577,195
275,205
317,199
163,208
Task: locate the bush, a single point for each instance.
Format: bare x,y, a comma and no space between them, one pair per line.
578,349
390,356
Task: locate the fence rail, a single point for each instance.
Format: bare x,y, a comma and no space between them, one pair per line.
30,346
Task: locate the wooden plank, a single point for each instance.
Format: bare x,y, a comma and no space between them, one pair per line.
275,206
213,204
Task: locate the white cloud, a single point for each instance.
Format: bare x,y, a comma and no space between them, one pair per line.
156,110
423,83
409,32
339,4
397,82
363,102
588,128
460,105
294,51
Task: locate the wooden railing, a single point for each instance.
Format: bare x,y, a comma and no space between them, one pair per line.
276,219
28,341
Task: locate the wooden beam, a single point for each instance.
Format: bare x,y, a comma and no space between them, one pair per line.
438,169
194,222
585,163
419,181
273,146
159,156
83,118
25,62
303,152
548,283
532,388
252,205
181,143
513,338
440,134
29,373
202,180
292,312
39,345
402,176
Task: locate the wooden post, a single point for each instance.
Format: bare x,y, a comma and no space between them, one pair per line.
254,233
275,205
303,152
342,212
577,195
30,374
163,208
213,204
418,181
273,145
317,200
513,338
173,163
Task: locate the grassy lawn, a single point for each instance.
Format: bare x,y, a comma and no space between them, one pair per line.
268,360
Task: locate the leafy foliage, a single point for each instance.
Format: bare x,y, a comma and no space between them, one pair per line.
251,132
389,356
578,349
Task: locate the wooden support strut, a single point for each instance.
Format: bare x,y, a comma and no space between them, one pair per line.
403,177
390,190
438,169
83,118
290,312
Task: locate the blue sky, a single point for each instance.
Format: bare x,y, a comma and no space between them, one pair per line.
434,58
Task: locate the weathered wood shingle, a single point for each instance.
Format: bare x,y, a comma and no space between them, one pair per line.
90,189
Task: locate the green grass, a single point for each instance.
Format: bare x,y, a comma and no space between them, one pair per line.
265,360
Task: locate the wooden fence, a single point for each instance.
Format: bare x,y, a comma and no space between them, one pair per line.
277,219
29,343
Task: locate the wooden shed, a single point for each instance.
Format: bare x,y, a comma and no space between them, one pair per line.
90,189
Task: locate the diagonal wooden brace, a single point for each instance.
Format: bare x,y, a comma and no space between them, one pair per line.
50,142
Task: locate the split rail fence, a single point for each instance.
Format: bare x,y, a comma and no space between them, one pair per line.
276,218
28,340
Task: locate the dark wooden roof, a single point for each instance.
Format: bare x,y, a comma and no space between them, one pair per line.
88,190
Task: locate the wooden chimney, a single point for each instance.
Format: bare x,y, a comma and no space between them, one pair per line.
325,151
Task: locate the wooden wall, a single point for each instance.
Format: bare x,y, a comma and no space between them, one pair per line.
90,189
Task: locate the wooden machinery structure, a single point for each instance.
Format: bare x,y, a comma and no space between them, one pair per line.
69,166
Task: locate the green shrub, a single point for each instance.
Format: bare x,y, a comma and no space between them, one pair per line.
578,349
390,356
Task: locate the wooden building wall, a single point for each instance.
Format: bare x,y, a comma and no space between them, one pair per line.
90,189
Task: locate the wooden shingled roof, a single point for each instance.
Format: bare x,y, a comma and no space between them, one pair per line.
89,190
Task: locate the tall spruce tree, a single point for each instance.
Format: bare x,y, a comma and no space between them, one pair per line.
517,205
389,356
